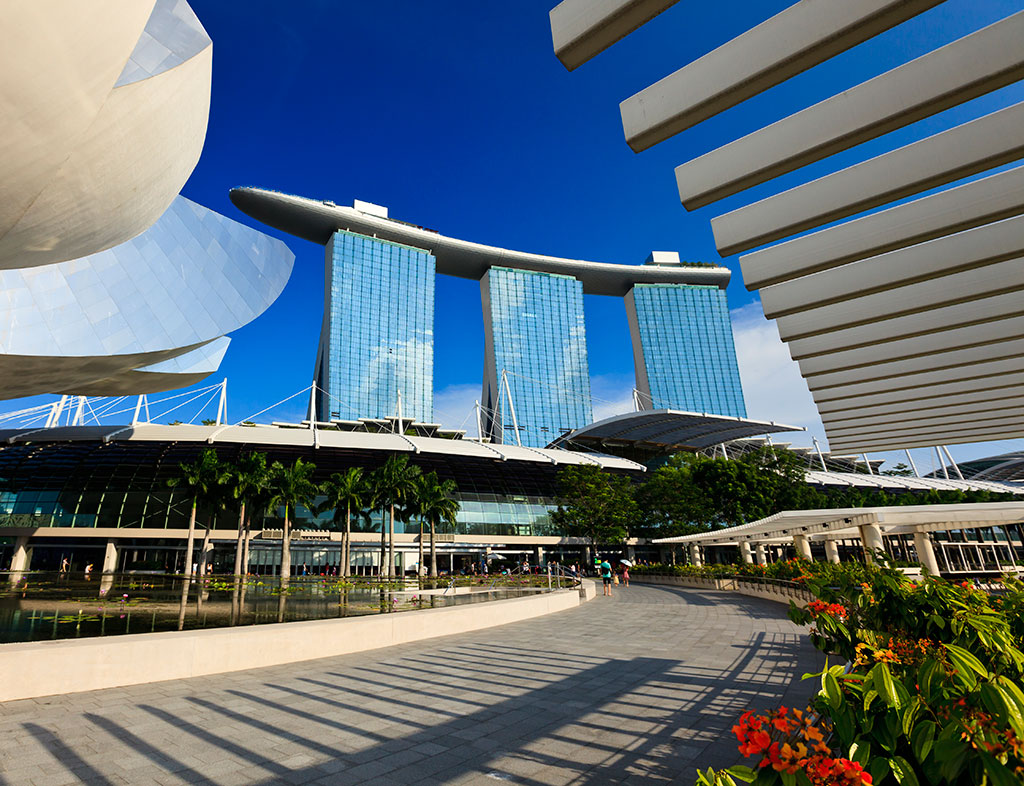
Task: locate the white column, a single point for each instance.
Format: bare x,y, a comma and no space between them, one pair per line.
762,558
832,550
110,558
695,557
205,555
745,552
22,555
926,552
539,555
871,540
802,546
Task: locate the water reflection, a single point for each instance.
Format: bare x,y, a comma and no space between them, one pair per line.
40,606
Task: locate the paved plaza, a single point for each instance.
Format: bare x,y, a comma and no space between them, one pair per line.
639,688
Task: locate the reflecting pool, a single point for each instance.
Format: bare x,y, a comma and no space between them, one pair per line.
44,606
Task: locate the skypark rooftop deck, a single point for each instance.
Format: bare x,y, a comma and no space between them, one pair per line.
317,220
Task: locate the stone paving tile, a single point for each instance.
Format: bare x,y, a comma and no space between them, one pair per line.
637,689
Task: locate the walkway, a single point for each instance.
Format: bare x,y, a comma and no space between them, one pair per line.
640,688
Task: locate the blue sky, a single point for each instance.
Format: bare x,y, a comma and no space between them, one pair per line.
457,116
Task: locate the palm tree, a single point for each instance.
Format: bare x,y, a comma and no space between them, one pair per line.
436,503
396,483
288,488
344,492
204,480
251,480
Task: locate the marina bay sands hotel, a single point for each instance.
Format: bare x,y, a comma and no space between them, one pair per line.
377,335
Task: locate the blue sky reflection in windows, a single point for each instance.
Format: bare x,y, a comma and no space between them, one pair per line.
534,330
377,336
683,349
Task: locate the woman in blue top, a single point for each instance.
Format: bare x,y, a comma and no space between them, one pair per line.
606,576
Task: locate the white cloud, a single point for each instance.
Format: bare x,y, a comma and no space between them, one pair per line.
453,407
612,394
772,385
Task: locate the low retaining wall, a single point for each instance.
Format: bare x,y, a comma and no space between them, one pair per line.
33,669
780,593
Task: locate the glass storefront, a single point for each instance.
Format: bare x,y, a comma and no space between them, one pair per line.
125,485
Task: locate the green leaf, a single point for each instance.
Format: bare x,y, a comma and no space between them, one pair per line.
742,772
881,678
922,738
998,774
903,772
938,621
832,690
910,714
879,770
961,656
869,697
860,752
1013,713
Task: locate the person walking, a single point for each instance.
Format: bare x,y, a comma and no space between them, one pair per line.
606,577
625,574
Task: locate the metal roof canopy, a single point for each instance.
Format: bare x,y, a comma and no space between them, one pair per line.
669,428
258,435
839,523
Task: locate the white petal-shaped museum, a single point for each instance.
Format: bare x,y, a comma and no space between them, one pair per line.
103,113
112,323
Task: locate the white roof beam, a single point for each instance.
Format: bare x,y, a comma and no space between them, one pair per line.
964,69
943,256
803,35
953,359
989,141
949,422
933,398
879,441
962,287
987,372
582,29
970,205
918,346
935,321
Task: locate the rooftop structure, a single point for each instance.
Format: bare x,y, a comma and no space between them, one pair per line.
317,220
906,321
536,384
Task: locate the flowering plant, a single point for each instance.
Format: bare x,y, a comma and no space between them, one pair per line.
793,749
931,693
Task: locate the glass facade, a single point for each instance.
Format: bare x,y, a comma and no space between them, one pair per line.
124,484
683,349
534,331
377,337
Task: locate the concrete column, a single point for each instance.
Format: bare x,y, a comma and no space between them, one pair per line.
205,555
832,551
110,557
538,554
871,540
630,553
695,556
926,552
802,546
762,559
745,552
22,557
